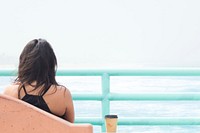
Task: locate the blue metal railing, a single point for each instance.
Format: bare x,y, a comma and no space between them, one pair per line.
106,96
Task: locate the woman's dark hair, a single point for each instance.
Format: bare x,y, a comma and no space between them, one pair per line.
37,63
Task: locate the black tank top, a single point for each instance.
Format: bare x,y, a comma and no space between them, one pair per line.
38,101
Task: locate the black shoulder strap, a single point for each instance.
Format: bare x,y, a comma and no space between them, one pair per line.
24,89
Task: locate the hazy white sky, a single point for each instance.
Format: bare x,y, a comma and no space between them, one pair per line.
104,33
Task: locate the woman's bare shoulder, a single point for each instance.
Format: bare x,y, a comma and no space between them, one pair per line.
64,90
60,90
11,87
11,90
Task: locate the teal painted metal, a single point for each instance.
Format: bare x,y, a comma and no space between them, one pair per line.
105,101
175,96
150,121
93,97
156,96
8,72
106,96
132,72
93,121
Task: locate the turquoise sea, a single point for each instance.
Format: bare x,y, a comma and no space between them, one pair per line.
135,108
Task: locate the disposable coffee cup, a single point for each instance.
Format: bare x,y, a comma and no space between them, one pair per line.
111,123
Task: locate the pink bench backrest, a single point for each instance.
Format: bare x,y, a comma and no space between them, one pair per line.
17,116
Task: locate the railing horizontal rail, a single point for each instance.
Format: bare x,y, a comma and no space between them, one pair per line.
146,121
173,96
93,97
4,73
132,72
92,120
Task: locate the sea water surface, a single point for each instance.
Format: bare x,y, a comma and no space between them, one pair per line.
126,109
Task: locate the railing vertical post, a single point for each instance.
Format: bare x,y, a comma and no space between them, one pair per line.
105,101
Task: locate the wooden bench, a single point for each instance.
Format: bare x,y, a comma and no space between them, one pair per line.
17,116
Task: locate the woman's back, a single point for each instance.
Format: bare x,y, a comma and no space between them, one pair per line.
56,100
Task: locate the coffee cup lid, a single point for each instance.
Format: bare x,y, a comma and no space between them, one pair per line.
111,116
